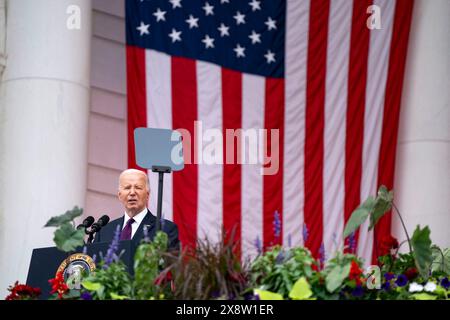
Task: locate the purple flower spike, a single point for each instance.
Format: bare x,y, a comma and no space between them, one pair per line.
322,254
258,245
276,224
352,242
305,233
111,255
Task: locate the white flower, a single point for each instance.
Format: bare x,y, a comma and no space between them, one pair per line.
430,286
415,287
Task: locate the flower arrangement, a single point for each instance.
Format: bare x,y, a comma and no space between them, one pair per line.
22,292
214,271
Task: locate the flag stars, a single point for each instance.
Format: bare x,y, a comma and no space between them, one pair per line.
270,56
240,18
256,5
143,28
224,1
271,24
239,51
209,9
255,37
175,35
209,42
175,3
193,22
160,15
223,30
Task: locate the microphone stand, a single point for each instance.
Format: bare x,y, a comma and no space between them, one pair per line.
91,236
160,170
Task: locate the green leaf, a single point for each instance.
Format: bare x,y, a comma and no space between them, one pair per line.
67,238
118,297
268,295
336,276
359,216
441,260
66,217
383,203
91,286
301,290
424,296
421,245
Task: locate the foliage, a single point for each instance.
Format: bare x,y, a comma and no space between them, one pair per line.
111,282
66,237
148,262
277,270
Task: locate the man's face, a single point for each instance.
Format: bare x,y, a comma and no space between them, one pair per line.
133,192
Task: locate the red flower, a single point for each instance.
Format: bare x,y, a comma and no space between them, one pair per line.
411,273
58,285
386,244
22,292
355,272
162,278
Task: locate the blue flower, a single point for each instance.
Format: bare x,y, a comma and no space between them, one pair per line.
389,276
445,283
386,286
358,291
401,281
86,296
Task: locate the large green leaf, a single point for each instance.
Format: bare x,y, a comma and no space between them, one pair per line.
336,276
268,295
359,216
301,290
441,260
423,296
67,238
421,245
383,203
66,217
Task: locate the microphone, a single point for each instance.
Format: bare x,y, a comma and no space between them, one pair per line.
86,223
103,221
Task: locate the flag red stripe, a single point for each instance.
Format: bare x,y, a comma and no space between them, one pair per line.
232,119
185,182
391,113
357,80
314,123
273,183
137,97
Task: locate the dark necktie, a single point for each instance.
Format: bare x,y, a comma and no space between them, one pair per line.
126,232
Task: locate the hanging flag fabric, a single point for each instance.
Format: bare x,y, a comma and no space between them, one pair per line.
314,85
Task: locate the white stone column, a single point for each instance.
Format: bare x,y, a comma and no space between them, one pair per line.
422,184
44,107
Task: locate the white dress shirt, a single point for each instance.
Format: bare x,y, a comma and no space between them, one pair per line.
137,221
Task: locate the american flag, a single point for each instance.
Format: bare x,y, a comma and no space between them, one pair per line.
326,73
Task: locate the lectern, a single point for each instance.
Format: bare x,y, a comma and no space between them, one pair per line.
46,261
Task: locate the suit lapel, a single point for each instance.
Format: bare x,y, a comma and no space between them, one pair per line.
149,223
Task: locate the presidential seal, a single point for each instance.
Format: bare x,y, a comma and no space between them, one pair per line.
74,268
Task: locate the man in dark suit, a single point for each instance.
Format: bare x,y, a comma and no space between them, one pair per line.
134,193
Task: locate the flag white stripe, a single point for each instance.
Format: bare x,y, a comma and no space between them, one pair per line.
159,115
339,31
253,93
294,123
377,68
210,176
